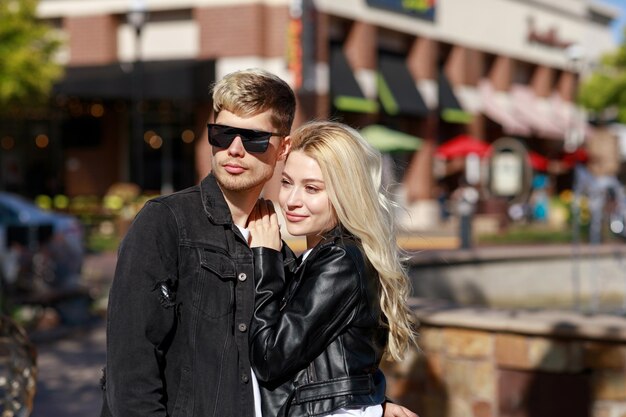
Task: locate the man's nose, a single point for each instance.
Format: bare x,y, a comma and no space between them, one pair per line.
236,147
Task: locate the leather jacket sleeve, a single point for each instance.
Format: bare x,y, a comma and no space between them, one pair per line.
285,340
140,315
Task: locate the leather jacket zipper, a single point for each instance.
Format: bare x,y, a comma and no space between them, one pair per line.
312,373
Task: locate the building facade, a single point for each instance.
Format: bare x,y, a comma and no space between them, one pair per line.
134,102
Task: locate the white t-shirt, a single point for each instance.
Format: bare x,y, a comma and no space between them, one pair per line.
255,384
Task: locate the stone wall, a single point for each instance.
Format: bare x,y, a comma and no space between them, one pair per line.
585,277
486,363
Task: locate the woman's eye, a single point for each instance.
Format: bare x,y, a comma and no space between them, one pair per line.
311,190
284,182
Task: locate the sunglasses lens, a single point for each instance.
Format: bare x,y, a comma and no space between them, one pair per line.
253,140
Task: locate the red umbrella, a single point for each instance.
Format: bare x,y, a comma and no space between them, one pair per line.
579,155
462,145
537,161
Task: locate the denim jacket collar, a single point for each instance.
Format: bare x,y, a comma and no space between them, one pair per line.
213,200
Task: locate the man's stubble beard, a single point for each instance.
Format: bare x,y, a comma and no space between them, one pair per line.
242,182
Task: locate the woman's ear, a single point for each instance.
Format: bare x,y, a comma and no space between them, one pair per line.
285,147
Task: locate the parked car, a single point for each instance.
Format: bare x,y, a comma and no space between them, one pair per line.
39,249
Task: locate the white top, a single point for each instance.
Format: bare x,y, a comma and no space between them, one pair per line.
371,411
255,384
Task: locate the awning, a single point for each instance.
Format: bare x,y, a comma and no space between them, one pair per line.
536,112
344,89
569,117
461,146
388,140
498,107
182,79
397,90
449,107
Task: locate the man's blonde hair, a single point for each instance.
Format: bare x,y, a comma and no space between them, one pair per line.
352,171
250,92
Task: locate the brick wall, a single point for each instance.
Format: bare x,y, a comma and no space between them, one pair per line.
422,59
249,30
465,372
92,39
360,46
501,73
542,81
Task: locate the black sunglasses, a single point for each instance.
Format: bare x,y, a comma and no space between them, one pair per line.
255,141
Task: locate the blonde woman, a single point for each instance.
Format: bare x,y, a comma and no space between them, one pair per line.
320,328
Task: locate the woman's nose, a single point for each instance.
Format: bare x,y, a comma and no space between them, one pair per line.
294,199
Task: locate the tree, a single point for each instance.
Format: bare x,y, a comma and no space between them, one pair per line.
606,87
27,49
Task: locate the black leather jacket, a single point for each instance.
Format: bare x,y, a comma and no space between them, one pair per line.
316,342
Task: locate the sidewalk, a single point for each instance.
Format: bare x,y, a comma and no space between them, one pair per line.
69,371
70,359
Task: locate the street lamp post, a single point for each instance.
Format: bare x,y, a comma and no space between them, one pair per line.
575,55
137,18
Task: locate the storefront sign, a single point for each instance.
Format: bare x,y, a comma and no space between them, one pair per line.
424,9
294,51
549,37
507,174
301,45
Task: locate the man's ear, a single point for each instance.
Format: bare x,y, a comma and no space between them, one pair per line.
285,147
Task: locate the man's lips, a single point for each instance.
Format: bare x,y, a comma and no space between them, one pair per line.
233,168
294,218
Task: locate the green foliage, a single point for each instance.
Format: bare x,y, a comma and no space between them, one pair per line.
27,48
606,87
600,91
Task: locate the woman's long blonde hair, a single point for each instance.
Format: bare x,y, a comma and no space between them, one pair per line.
352,172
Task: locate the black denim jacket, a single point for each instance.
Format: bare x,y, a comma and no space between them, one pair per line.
318,331
179,311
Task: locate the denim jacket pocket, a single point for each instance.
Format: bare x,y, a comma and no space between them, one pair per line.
214,295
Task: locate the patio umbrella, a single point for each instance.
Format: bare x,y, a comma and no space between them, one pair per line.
538,162
572,158
388,140
460,146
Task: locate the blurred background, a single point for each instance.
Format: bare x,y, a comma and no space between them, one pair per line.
502,125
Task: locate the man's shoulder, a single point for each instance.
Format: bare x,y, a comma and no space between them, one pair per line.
178,197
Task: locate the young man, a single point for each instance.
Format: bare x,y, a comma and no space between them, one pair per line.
182,298
183,293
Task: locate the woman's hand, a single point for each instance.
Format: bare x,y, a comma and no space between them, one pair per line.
395,410
263,226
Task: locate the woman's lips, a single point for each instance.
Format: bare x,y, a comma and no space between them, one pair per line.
294,218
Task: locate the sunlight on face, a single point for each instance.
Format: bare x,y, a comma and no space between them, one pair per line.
304,200
238,170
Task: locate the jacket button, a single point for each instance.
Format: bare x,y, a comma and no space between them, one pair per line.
242,277
245,378
242,327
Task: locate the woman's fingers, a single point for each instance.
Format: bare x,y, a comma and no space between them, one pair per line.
263,226
273,217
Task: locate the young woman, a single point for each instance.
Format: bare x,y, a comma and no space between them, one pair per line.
322,324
